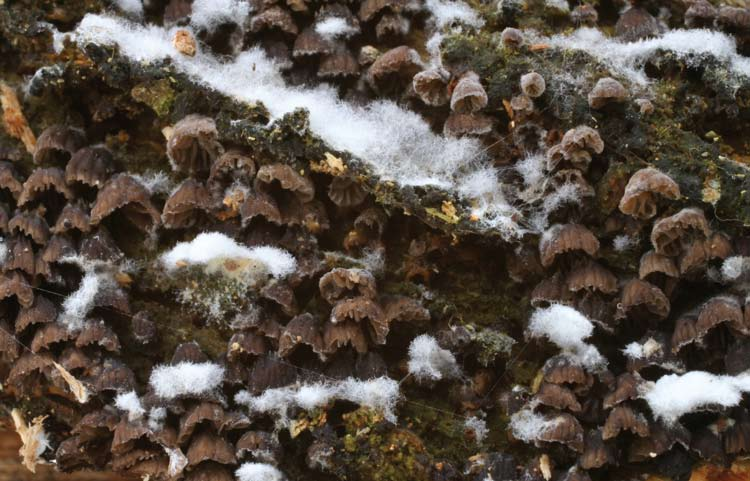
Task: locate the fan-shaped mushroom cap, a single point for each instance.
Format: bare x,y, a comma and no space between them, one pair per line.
432,86
652,263
302,329
124,192
639,199
98,333
562,238
565,429
596,453
394,69
42,180
262,445
90,165
309,43
203,412
42,311
718,310
339,334
57,143
339,63
638,294
10,180
30,224
341,282
15,284
73,216
49,334
580,138
193,145
368,9
359,309
734,17
562,370
626,388
700,13
182,208
289,180
346,192
625,418
636,24
558,397
607,90
459,125
591,276
274,18
20,255
670,234
468,95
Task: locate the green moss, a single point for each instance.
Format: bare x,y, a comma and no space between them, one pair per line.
491,344
157,94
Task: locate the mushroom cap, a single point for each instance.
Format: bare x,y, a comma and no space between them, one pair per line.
685,331
207,446
459,125
14,283
653,263
626,388
584,14
565,429
636,24
339,334
73,216
533,84
562,238
182,208
57,143
368,9
432,86
700,12
468,95
639,198
194,146
288,178
733,17
30,224
345,191
302,329
358,309
263,205
591,276
558,397
203,412
553,289
625,418
582,137
10,180
41,180
21,255
394,68
670,234
90,165
596,453
41,311
49,334
607,90
340,63
98,333
405,309
512,37
341,282
718,310
124,192
392,26
274,18
562,370
638,293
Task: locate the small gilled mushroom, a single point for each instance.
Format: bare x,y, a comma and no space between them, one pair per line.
405,309
394,69
259,204
607,90
287,178
626,388
511,37
340,282
639,199
562,370
636,24
48,335
193,145
98,333
698,252
392,26
188,352
338,335
532,84
99,245
562,238
204,413
432,86
30,224
737,18
653,265
558,397
624,418
585,14
459,125
303,329
737,436
310,43
42,311
339,63
641,300
274,18
184,207
468,95
551,290
368,9
700,14
522,106
20,255
27,364
564,429
718,310
14,284
346,192
246,343
670,234
359,309
263,446
42,181
90,165
72,217
591,276
125,193
596,453
575,149
57,143
9,180
281,294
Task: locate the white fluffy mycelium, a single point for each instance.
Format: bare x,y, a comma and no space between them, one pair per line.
186,378
567,328
429,361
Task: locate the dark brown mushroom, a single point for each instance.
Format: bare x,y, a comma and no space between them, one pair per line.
310,43
339,334
625,418
626,388
287,178
73,217
49,334
606,91
274,18
368,9
459,125
700,14
124,193
564,429
558,397
99,245
394,69
346,192
562,238
184,206
204,412
98,333
30,224
562,370
115,377
14,283
718,310
591,276
735,18
596,453
639,199
670,234
303,329
641,300
636,24
193,145
392,26
42,311
9,180
340,282
339,63
264,447
20,256
57,143
91,166
41,181
532,84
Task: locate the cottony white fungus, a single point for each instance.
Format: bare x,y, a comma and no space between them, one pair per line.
429,361
674,395
210,14
210,246
380,394
478,426
169,382
567,328
131,404
448,12
380,134
334,27
133,7
259,472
